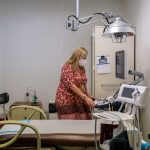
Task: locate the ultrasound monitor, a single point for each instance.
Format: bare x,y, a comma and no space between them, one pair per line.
126,91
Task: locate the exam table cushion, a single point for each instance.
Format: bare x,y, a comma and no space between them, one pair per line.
55,139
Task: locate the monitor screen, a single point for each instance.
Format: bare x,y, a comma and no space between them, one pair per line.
127,92
120,64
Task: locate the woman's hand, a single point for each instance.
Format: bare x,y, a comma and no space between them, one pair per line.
87,99
90,102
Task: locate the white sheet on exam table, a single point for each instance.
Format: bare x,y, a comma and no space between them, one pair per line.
59,126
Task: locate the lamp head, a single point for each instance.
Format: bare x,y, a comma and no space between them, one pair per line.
119,30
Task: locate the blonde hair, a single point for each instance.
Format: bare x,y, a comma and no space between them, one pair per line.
74,59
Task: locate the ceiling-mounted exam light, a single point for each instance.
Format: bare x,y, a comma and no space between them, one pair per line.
116,27
119,30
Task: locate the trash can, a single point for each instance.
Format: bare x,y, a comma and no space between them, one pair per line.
52,111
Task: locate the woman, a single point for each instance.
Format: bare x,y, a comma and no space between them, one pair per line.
72,99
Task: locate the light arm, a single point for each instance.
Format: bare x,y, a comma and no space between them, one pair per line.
116,27
138,74
73,23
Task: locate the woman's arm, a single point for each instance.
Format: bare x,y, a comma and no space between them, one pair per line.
92,97
88,100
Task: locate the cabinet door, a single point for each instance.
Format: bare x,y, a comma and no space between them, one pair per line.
23,113
18,114
35,116
106,84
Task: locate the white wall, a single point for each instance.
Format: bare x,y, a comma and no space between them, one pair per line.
138,12
31,47
35,43
1,30
0,65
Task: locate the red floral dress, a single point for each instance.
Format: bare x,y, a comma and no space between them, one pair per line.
69,104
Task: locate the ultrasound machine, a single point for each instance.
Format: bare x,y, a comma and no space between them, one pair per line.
126,102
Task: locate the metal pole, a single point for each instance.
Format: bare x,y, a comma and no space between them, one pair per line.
77,8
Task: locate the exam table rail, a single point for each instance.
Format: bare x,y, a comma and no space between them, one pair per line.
7,140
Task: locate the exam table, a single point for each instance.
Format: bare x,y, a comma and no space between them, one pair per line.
59,132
